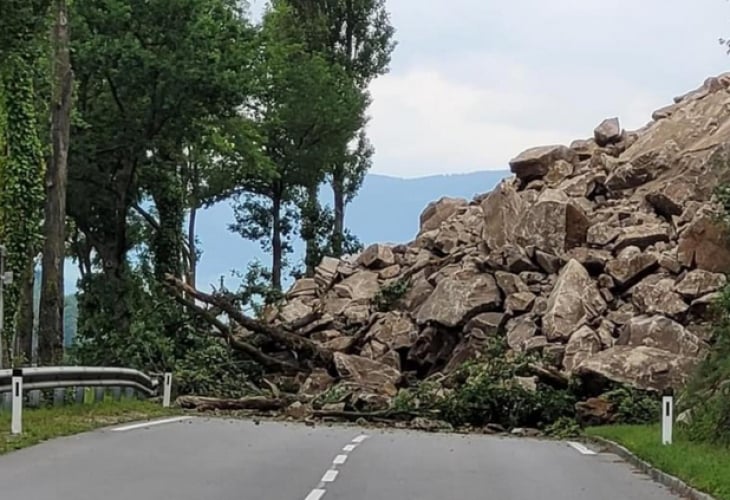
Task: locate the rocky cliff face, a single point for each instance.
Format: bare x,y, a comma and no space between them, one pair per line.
603,255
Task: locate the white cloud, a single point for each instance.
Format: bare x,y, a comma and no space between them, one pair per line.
474,82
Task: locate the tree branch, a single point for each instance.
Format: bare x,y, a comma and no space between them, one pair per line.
301,345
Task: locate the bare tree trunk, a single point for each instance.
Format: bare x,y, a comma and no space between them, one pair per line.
50,332
276,244
192,250
338,232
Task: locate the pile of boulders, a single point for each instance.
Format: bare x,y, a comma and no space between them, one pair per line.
604,256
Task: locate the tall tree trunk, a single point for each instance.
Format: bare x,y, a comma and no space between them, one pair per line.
26,316
310,229
338,231
21,196
276,244
50,329
167,245
192,250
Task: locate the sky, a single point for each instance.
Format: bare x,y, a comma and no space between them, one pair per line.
475,82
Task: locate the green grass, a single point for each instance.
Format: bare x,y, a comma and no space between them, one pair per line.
704,466
48,423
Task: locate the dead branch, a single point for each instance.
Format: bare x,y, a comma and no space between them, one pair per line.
301,345
262,358
258,403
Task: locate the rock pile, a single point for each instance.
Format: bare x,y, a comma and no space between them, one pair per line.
603,255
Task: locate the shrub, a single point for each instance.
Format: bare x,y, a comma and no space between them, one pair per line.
389,295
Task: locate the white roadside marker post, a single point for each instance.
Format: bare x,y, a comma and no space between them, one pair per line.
16,426
167,390
667,417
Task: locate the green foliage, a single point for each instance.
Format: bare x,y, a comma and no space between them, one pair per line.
634,406
707,395
388,296
213,370
335,394
428,394
564,428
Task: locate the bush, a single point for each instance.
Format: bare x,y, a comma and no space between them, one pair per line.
563,428
389,295
634,406
708,394
489,394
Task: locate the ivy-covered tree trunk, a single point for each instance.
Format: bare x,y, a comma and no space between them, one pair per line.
25,323
21,187
50,328
167,193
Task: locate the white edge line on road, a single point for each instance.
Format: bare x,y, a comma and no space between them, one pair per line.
330,476
149,424
340,459
315,494
360,438
581,448
349,448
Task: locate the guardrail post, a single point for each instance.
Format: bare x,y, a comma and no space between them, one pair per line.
667,417
167,390
16,426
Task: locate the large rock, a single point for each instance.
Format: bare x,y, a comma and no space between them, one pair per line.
367,374
510,283
377,257
608,132
439,211
582,345
305,287
574,301
642,236
470,348
362,285
501,208
293,310
653,296
700,282
662,333
458,298
394,330
519,331
630,266
628,176
704,244
491,323
536,162
642,367
553,224
519,302
326,272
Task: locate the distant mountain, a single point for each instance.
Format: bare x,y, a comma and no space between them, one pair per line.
387,210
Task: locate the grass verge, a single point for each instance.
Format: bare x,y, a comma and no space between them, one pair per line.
701,465
48,423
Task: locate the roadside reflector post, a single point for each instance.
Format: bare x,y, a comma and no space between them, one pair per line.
167,390
16,426
667,417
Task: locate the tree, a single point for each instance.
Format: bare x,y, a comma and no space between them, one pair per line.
151,76
21,162
358,35
304,108
50,329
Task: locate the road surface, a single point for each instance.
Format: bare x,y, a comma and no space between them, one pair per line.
216,459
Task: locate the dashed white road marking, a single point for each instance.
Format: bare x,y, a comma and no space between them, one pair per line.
315,494
149,424
582,449
330,476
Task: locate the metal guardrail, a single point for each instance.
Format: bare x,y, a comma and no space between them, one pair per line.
66,377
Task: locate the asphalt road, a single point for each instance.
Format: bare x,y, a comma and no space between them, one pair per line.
214,459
